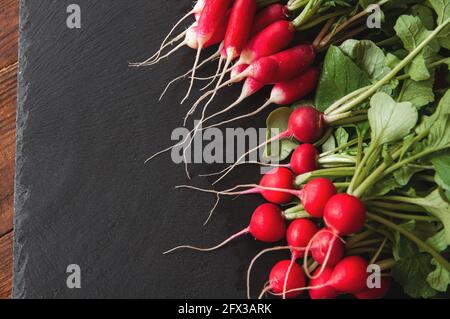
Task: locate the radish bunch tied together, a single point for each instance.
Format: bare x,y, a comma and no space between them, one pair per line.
361,175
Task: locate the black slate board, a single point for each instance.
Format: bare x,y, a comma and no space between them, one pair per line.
86,123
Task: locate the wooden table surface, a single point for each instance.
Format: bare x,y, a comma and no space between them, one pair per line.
9,18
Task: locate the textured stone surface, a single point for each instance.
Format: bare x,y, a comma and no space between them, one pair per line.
86,123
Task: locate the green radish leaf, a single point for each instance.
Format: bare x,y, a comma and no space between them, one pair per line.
330,144
383,187
367,56
437,127
277,122
419,93
392,60
438,279
437,205
340,76
404,174
412,32
437,241
341,135
442,8
425,14
441,163
390,121
412,267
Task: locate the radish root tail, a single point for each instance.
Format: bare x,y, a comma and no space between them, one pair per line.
242,232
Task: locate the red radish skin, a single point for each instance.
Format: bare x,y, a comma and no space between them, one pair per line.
235,71
376,293
304,159
237,34
316,194
274,41
345,214
324,242
191,35
269,15
307,124
282,66
278,275
326,292
239,27
278,177
350,275
298,235
266,225
212,15
196,10
270,40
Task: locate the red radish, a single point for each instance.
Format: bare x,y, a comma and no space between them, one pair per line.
316,194
238,32
270,40
279,67
269,15
326,292
278,275
278,177
348,276
212,15
196,10
298,234
236,36
191,40
345,214
306,125
325,243
239,27
191,37
235,71
267,225
304,159
376,293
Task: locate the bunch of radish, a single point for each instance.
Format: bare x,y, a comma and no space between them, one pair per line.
256,47
340,214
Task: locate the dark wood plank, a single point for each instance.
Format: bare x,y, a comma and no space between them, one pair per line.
9,20
6,243
9,26
7,145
